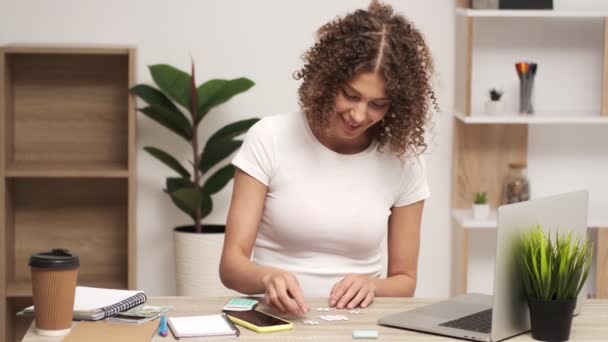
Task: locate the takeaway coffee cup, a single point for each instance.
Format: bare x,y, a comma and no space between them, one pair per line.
54,276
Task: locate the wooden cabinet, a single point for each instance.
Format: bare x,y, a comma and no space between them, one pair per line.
485,145
67,167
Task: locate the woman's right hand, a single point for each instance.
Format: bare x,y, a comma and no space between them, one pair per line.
283,293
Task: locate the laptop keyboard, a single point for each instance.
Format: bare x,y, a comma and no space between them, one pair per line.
479,322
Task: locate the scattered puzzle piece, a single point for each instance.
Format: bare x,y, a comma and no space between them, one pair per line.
334,318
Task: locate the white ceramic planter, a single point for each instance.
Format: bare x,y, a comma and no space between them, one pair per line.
494,107
197,263
481,211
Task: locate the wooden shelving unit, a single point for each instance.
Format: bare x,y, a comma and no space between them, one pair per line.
485,145
67,167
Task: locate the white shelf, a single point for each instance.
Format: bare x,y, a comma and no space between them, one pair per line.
530,13
532,119
465,219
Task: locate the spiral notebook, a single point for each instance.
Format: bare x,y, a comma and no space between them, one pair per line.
92,303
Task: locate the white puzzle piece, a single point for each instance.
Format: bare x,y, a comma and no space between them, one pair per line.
334,318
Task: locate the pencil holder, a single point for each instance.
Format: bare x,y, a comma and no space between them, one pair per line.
525,96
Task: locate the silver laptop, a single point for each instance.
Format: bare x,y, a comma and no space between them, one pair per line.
493,318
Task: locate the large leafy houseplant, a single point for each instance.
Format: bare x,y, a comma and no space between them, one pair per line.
553,273
178,91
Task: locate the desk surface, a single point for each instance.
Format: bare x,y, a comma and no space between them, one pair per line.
590,325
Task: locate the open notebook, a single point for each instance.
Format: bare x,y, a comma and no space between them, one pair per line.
92,303
203,326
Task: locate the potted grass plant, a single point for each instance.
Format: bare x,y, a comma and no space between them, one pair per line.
553,273
179,105
481,208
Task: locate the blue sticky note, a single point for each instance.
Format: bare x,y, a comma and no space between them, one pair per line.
240,304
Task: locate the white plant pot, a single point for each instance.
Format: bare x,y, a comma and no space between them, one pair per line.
197,264
494,107
481,211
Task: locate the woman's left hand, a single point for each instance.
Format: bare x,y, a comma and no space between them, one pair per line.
352,291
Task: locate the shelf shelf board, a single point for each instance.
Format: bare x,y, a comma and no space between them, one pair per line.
23,289
537,119
44,169
465,219
489,13
83,49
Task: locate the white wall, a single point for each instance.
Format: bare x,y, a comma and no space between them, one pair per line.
262,40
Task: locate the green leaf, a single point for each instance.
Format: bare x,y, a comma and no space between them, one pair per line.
174,184
173,82
206,205
544,269
174,121
186,200
216,152
232,130
536,274
215,92
218,180
168,160
190,197
193,96
588,256
153,96
524,270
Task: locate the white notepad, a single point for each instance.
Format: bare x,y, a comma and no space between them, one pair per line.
92,303
203,326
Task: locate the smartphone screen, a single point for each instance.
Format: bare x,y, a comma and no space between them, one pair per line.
256,318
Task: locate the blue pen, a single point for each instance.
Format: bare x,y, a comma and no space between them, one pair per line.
162,328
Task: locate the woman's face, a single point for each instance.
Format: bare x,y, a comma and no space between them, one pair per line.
359,104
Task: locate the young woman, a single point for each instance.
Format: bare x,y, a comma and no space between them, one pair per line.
317,191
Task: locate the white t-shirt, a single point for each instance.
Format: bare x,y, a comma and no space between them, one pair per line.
326,214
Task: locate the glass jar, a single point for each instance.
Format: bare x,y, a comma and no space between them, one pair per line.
517,186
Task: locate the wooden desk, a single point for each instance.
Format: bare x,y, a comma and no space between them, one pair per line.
590,325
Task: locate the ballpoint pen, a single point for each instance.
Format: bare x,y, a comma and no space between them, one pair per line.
162,328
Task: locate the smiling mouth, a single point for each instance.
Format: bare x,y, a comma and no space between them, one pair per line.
349,125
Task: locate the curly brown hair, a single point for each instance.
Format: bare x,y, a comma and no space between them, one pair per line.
372,40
